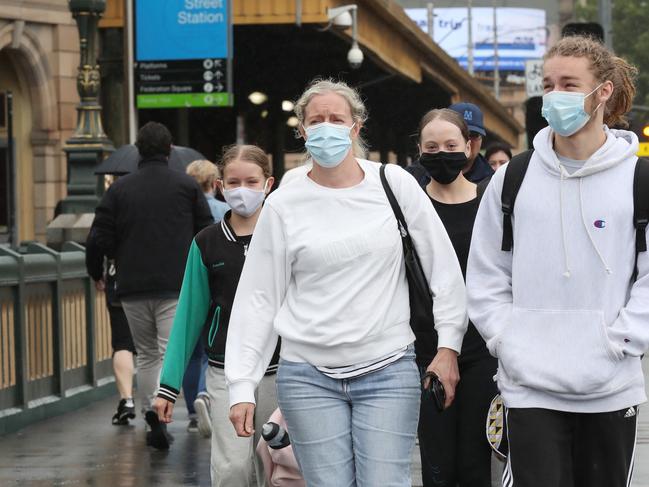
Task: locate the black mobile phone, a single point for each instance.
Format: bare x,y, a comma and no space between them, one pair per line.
435,388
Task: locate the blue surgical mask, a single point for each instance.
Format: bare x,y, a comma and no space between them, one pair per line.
328,143
565,111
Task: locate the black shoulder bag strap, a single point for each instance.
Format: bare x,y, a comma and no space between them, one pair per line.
640,209
416,277
514,175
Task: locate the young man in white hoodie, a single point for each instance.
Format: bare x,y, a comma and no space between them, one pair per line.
562,312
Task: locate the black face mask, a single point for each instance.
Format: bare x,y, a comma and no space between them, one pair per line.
443,167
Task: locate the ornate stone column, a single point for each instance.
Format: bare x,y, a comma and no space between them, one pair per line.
89,144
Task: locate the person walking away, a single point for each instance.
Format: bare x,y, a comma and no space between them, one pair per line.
146,221
333,287
452,443
214,266
565,312
103,271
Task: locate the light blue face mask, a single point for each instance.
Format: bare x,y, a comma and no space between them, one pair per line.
565,112
328,143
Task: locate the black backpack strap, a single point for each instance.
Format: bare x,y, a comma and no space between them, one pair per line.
640,209
403,226
514,175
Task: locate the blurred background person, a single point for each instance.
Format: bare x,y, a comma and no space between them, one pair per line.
206,174
103,271
498,154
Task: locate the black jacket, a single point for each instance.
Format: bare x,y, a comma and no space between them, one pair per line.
146,222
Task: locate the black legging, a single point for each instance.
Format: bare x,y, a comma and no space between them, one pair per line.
453,445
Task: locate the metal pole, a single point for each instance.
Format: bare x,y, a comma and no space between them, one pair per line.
470,36
496,58
298,13
12,180
431,20
130,75
606,21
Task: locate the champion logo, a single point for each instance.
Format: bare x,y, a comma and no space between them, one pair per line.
600,224
629,413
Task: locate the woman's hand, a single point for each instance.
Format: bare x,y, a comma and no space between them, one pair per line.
164,409
445,367
241,416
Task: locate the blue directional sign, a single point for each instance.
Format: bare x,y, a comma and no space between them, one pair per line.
182,53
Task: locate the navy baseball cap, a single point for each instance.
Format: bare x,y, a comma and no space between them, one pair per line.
472,116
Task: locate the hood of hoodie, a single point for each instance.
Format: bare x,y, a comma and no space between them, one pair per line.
620,145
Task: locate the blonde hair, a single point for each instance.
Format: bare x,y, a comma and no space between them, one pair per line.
604,66
351,96
204,172
247,153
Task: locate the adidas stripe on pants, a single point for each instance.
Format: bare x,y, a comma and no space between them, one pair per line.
561,449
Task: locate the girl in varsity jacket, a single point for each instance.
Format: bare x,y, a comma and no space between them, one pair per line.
212,273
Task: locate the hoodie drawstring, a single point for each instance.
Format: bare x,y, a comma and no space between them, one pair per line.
567,272
590,236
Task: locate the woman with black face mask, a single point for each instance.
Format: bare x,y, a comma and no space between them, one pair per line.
453,445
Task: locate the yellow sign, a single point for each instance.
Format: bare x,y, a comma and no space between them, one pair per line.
643,150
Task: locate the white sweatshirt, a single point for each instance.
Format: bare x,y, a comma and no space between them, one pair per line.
561,313
325,272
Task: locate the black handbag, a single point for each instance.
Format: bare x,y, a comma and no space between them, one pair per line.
421,299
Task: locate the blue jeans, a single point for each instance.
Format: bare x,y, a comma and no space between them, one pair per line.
194,378
356,432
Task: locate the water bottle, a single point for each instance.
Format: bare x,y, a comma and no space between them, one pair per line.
276,436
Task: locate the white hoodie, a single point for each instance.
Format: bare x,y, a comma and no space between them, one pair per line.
560,312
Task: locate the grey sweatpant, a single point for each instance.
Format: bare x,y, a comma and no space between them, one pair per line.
234,460
150,322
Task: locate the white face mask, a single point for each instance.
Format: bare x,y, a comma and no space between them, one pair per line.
245,201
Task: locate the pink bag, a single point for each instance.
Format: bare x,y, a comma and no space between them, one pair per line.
280,466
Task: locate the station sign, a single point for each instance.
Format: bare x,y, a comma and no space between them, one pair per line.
183,53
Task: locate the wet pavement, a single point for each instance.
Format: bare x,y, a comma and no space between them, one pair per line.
82,448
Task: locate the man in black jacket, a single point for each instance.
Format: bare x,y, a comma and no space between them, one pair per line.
146,221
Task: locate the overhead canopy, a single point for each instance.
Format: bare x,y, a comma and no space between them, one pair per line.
396,43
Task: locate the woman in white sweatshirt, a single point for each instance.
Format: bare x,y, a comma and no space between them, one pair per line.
562,312
325,273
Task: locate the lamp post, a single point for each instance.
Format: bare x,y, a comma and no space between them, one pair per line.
89,144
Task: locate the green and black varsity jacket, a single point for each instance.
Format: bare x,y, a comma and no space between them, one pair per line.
212,272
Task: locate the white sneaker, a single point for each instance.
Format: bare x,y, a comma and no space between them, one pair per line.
202,407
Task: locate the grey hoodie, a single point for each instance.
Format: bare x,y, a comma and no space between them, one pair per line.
560,312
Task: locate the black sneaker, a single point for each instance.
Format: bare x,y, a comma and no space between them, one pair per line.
124,413
158,437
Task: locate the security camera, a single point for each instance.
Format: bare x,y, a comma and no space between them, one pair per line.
355,57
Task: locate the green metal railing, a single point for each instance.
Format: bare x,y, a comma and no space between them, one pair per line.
55,351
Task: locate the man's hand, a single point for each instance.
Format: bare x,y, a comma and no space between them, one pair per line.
100,285
164,409
445,367
241,416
